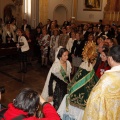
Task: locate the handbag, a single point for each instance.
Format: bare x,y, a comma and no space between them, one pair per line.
21,43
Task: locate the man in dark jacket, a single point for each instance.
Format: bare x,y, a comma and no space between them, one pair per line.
76,51
25,25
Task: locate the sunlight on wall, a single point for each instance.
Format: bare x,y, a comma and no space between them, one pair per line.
28,7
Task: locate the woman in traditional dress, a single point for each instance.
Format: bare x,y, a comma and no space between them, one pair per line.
58,78
73,104
63,39
44,43
8,34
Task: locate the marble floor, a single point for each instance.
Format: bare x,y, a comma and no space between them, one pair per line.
11,79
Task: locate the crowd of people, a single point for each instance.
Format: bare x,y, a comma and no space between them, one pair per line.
85,65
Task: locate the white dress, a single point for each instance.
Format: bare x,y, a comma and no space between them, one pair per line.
74,113
55,69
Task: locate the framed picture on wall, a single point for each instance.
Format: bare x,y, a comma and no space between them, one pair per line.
92,5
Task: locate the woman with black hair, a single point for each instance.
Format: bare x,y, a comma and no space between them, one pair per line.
23,48
103,66
26,105
58,78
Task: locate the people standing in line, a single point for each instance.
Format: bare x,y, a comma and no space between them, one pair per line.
58,78
23,48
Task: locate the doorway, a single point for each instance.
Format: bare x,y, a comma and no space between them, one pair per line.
60,14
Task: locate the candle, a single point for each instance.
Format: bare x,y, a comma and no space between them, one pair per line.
118,16
114,16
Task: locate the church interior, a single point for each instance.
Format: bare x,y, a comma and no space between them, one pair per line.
37,13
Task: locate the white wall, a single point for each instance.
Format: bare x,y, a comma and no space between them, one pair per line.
92,16
60,14
52,4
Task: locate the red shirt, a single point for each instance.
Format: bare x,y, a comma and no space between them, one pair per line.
48,111
102,68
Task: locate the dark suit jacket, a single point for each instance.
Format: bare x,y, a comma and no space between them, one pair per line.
109,34
27,27
100,26
86,35
77,47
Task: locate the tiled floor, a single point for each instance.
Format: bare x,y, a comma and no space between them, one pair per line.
11,79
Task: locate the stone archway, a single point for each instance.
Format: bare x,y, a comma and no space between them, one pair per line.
9,12
60,14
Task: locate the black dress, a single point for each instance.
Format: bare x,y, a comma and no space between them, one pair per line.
59,92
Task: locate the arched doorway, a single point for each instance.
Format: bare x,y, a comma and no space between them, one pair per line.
9,12
60,14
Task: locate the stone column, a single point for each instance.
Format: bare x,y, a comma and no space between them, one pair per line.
43,11
74,10
75,7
